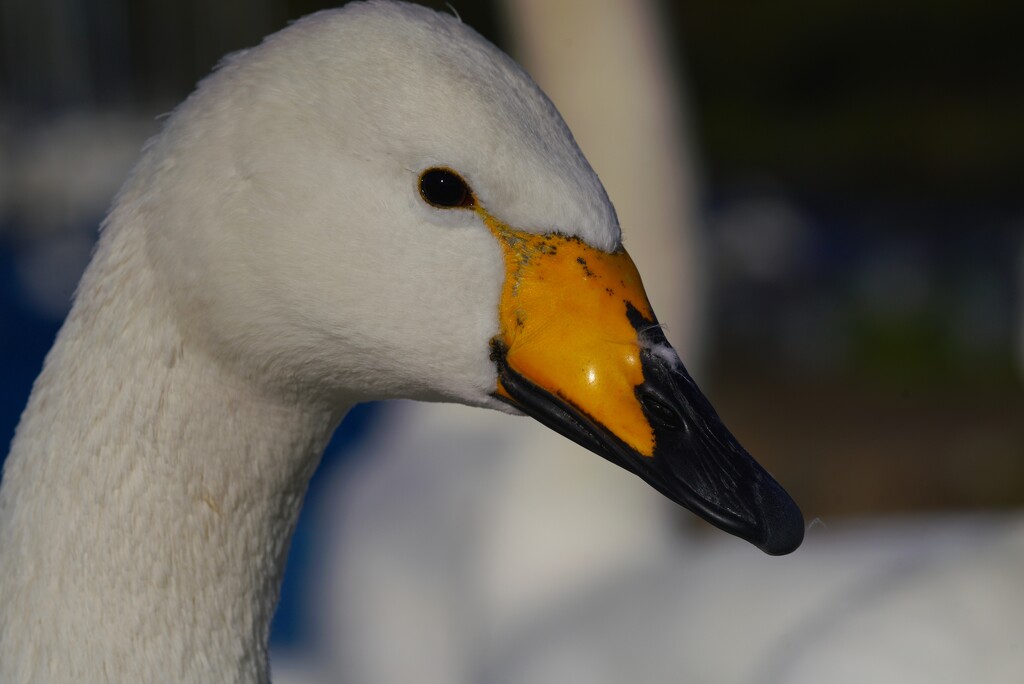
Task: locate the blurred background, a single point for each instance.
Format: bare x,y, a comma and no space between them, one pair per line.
834,192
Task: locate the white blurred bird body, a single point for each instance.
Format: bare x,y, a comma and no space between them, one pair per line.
899,601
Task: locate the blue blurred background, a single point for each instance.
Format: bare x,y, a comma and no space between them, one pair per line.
860,169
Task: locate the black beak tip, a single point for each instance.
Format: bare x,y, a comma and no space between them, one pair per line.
782,527
775,525
700,465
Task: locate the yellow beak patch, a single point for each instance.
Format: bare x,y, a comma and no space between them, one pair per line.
564,326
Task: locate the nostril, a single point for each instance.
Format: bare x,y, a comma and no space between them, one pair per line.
660,411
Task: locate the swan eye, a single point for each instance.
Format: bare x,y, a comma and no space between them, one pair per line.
444,188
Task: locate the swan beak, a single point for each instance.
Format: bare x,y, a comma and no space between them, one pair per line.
580,350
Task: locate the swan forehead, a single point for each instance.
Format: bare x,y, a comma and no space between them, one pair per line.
417,88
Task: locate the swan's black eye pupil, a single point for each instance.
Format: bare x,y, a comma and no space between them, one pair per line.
444,188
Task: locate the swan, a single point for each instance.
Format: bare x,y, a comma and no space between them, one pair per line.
374,203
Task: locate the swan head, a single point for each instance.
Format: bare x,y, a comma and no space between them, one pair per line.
378,203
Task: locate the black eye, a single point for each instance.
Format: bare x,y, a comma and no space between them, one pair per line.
445,188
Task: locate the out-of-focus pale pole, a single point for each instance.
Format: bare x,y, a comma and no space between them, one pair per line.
607,66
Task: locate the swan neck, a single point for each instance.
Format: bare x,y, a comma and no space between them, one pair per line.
148,500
